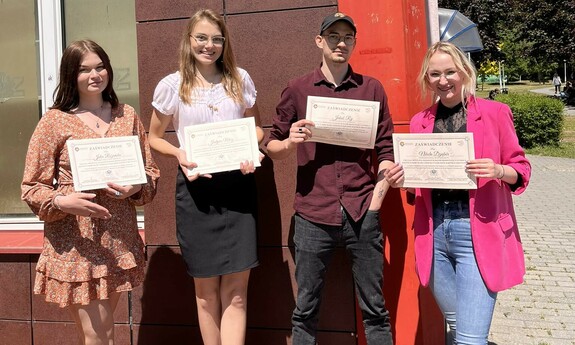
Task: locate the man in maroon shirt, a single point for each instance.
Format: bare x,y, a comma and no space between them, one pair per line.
338,193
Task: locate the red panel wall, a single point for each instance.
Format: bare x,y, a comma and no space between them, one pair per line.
392,40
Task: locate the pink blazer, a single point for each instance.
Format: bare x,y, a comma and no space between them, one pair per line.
494,232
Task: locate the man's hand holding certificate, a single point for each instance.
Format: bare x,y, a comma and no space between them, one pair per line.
221,146
344,122
435,160
95,162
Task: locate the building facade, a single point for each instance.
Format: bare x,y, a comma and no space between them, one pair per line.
274,41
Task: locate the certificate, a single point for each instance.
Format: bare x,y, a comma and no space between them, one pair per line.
221,146
95,162
435,160
344,122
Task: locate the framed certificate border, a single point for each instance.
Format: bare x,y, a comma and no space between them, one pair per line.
95,162
221,146
435,160
328,112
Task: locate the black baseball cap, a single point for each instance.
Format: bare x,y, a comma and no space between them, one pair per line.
332,18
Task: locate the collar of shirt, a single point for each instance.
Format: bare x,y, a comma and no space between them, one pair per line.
350,77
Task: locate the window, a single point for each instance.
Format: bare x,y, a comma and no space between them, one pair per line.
33,35
112,24
20,103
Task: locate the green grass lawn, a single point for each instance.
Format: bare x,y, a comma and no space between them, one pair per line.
514,87
566,148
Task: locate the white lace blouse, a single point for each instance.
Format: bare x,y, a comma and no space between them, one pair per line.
208,104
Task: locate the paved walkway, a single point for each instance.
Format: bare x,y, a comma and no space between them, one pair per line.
542,310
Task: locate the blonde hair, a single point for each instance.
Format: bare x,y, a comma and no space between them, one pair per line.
231,78
463,65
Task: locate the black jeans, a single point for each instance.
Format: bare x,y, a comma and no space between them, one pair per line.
314,247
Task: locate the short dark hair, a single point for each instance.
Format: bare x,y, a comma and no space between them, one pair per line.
66,95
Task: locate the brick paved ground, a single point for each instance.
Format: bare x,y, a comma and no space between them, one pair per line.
542,310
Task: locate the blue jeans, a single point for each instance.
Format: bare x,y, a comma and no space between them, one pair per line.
314,247
456,283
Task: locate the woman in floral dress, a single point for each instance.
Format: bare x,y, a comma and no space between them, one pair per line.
92,249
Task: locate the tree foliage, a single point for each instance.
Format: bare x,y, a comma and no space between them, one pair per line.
486,68
487,14
517,53
550,25
534,37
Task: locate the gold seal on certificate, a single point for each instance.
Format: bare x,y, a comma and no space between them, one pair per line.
435,160
344,122
221,146
95,162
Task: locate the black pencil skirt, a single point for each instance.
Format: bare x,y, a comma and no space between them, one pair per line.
216,223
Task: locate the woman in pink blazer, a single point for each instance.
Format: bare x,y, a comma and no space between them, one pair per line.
467,244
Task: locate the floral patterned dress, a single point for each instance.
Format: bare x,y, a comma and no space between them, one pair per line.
83,258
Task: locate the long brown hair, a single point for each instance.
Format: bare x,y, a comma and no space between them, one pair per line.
231,79
66,95
463,65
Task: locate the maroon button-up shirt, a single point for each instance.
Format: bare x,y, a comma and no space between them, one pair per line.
330,176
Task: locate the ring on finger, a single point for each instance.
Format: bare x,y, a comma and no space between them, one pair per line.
117,193
300,130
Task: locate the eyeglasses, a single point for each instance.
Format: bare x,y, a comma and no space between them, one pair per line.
203,40
334,38
449,75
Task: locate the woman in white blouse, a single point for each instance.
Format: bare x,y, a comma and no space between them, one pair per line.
215,214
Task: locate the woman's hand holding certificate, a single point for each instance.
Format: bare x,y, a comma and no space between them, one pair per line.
95,162
222,146
435,160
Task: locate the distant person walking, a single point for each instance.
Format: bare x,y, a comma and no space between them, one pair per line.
557,83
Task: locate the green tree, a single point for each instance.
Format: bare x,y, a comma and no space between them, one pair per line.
516,52
550,27
533,36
